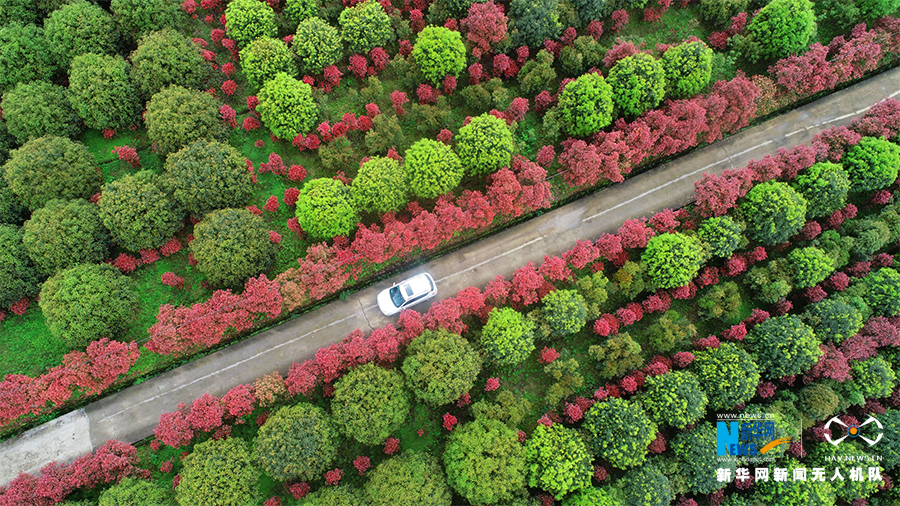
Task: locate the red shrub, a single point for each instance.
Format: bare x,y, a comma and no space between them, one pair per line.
128,155
334,476
170,279
271,204
619,20
391,445
548,355
399,98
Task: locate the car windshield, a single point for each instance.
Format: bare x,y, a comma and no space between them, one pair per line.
396,296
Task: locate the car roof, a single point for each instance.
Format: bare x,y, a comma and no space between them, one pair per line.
419,284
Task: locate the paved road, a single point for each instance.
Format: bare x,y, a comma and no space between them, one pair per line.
132,414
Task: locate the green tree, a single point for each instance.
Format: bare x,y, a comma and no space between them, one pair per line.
877,8
7,142
219,472
833,319
774,212
485,462
728,375
167,57
507,336
296,443
137,213
370,403
102,92
232,245
809,266
26,55
380,185
18,11
485,145
688,68
564,311
616,355
88,301
671,330
365,26
12,211
824,186
325,209
638,83
342,495
509,409
286,106
249,20
557,460
139,17
317,44
838,247
298,11
439,52
385,134
647,486
207,175
264,58
535,76
873,377
872,164
697,462
889,446
411,479
567,380
50,168
177,117
722,301
18,276
135,492
80,27
673,259
432,168
720,12
771,282
586,105
868,236
783,27
882,292
674,399
531,22
65,233
594,290
440,366
722,235
621,432
593,496
784,346
818,401
38,108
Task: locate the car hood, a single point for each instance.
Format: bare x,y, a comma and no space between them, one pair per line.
385,304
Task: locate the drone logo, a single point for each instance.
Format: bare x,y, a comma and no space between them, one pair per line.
854,431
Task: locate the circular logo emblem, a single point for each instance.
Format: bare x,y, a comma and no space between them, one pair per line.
853,431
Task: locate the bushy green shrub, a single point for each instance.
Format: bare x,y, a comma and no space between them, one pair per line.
317,45
621,432
882,292
783,27
772,282
557,460
594,290
567,380
720,12
638,83
432,168
87,302
728,375
531,22
167,57
249,20
411,478
139,17
485,145
774,212
219,472
722,301
872,164
365,26
509,409
7,142
722,235
26,56
137,213
508,337
696,454
534,77
688,68
564,311
264,58
671,330
12,212
18,11
286,106
586,105
65,233
784,346
39,108
630,280
869,236
297,11
51,168
386,133
440,366
370,403
833,319
824,186
836,246
818,401
877,8
207,175
325,209
873,377
439,52
102,92
889,446
673,259
584,54
296,443
341,495
647,486
380,185
18,276
809,266
674,399
80,27
617,355
135,492
592,496
177,117
232,245
485,462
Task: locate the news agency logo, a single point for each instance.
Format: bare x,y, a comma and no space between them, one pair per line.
853,431
743,438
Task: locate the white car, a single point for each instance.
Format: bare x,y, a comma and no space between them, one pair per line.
407,293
